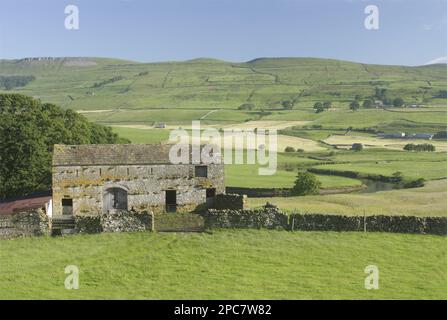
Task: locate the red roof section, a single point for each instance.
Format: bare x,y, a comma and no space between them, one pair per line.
23,204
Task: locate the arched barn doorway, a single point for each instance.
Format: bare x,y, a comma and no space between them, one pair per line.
115,198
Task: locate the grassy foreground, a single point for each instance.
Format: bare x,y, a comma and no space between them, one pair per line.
243,264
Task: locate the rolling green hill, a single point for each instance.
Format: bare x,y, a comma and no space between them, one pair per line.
135,92
132,96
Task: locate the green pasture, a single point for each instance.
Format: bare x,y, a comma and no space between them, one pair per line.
239,264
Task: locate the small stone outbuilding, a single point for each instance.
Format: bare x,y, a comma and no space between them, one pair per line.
93,179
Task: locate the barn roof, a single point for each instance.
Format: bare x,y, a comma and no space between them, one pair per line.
23,204
111,154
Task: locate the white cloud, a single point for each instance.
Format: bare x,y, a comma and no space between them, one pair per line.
438,60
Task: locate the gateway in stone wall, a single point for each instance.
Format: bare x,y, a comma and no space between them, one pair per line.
94,179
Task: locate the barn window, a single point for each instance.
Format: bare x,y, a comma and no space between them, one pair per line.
210,193
115,198
67,206
171,200
201,171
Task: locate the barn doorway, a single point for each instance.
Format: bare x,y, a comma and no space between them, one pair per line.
115,199
67,207
210,194
171,200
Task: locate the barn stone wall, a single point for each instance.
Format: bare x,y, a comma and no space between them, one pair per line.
230,201
145,185
33,222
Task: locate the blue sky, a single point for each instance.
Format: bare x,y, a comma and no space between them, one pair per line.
411,32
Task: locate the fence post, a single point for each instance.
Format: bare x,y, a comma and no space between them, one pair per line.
152,221
293,221
364,221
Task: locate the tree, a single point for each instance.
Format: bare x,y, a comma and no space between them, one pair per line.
246,106
415,183
11,82
397,177
357,147
398,102
306,183
318,106
381,94
289,149
442,94
28,131
354,106
327,105
419,147
440,135
368,103
287,105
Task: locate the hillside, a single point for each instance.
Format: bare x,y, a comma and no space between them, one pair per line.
141,92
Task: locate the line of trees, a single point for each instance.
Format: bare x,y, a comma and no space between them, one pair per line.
322,106
380,94
11,82
440,135
108,81
246,106
28,131
420,147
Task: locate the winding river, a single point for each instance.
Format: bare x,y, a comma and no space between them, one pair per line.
375,186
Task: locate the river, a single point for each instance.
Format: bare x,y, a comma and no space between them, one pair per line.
375,186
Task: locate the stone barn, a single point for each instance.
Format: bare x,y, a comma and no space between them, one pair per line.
93,179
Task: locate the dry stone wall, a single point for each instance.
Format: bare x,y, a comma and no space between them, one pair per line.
271,217
27,223
230,201
114,221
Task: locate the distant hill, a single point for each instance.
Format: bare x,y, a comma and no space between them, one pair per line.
88,83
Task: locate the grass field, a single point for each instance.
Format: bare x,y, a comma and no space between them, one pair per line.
142,135
251,264
247,176
242,264
430,200
346,141
376,160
